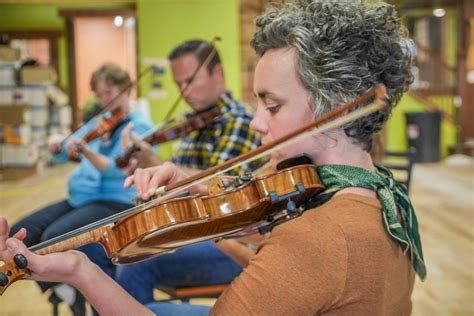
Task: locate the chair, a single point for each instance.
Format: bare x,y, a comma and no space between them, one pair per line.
184,294
401,163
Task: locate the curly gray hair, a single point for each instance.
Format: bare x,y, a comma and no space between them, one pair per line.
343,48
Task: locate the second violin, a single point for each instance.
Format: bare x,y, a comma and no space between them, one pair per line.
169,131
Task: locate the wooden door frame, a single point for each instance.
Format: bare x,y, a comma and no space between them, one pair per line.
69,16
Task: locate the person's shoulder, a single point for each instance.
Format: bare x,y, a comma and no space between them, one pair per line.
341,214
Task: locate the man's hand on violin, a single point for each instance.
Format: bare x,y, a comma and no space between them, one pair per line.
144,157
55,267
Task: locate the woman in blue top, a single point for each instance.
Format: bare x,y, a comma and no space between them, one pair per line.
96,185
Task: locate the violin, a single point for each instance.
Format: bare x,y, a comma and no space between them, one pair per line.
169,222
169,132
110,120
162,228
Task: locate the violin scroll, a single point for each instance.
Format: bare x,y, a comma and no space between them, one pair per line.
11,271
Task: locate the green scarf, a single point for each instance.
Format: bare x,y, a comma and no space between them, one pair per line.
392,196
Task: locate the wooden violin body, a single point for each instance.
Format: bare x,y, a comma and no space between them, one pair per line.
179,222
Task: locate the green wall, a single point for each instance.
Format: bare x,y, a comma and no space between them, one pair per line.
163,24
396,127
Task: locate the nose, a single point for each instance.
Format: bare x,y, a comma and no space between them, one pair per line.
104,101
258,122
184,88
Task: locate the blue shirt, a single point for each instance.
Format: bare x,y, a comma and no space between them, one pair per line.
88,184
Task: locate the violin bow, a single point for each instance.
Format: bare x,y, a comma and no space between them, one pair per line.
324,123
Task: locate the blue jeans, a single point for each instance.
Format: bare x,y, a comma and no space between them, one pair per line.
60,218
171,309
194,265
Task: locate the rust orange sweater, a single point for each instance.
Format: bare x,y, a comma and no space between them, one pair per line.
334,260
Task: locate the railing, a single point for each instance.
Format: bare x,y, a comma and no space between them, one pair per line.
436,87
435,84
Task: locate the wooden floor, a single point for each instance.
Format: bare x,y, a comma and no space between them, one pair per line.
443,195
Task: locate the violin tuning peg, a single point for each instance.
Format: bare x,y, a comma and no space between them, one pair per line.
20,261
3,279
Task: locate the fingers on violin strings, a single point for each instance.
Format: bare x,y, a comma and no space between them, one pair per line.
156,180
130,180
21,234
142,178
18,249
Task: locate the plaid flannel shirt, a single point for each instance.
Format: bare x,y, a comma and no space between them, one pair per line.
226,137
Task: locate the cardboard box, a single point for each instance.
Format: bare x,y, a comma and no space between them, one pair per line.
38,75
33,95
14,114
17,134
59,129
12,156
39,115
60,116
7,75
57,96
39,135
11,95
8,54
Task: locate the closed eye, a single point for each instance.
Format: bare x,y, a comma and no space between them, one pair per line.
273,108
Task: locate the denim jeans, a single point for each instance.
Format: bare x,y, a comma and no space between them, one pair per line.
60,218
171,309
195,265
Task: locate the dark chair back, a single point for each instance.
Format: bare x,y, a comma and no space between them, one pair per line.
401,161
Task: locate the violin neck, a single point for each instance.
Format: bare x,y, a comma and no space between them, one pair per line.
98,235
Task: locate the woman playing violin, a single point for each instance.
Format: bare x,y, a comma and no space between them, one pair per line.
356,250
96,185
